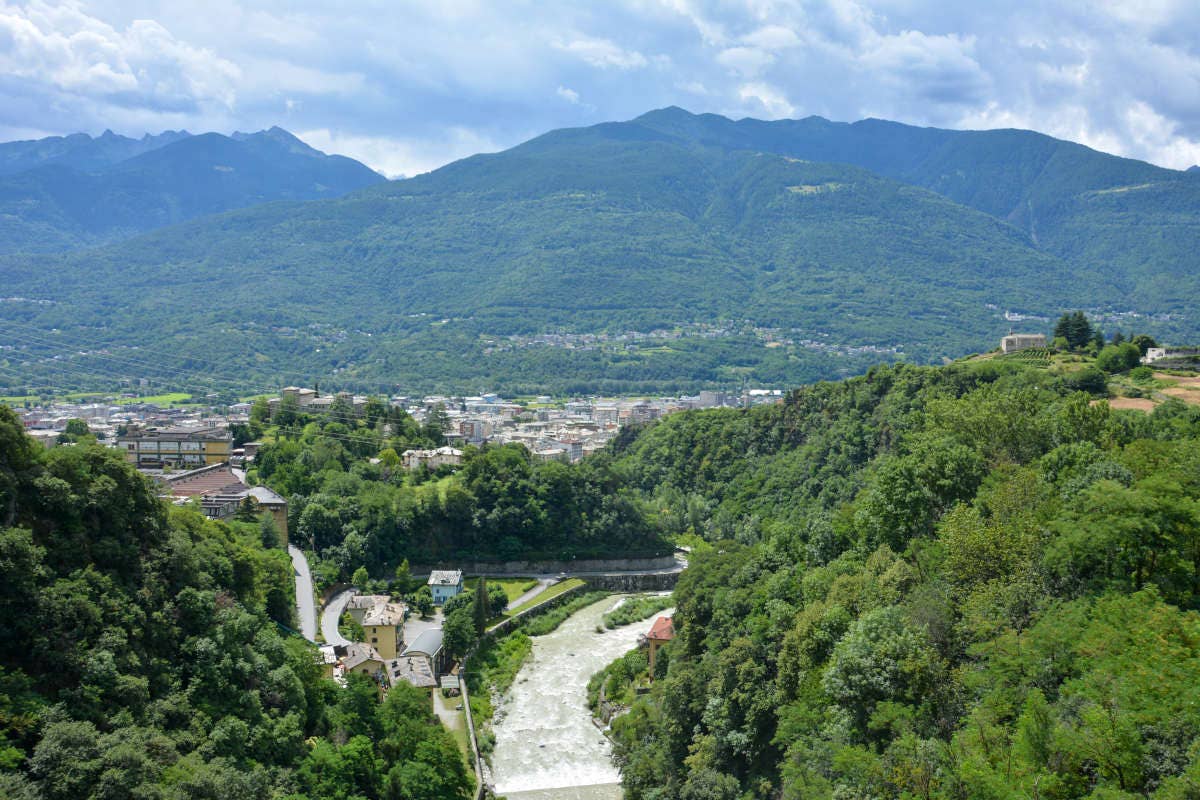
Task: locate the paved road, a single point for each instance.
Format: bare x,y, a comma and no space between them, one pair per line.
332,613
544,583
306,608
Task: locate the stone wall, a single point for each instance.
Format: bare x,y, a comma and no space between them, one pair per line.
651,582
552,567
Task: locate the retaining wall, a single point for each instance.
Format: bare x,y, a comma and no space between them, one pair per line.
551,567
653,582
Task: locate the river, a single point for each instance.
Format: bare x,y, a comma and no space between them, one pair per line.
546,745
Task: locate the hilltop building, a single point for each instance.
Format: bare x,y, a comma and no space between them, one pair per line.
441,457
444,584
1021,341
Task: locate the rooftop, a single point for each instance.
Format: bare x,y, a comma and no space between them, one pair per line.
413,669
428,642
445,577
663,630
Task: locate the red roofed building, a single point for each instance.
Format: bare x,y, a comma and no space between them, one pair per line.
661,632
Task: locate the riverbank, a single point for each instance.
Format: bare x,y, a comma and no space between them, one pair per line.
545,743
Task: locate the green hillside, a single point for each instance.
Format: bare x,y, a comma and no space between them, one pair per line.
606,234
776,252
1133,221
964,582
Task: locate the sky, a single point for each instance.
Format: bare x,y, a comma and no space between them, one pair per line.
408,86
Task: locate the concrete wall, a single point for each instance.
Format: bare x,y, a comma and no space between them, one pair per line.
549,567
653,582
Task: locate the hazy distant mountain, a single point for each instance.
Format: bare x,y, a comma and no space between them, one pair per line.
871,234
80,151
76,191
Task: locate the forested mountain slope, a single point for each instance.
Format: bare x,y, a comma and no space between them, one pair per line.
778,249
142,655
1137,223
610,235
965,582
69,193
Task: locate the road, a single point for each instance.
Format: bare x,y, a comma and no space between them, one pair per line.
543,584
332,613
306,608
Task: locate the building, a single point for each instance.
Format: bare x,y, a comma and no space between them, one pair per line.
432,459
1021,341
222,494
177,448
382,622
428,645
416,669
360,658
661,632
444,584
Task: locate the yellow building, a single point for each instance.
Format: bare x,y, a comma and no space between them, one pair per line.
178,448
382,622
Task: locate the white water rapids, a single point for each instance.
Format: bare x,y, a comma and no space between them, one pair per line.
546,745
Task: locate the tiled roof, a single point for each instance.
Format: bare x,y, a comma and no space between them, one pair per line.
662,630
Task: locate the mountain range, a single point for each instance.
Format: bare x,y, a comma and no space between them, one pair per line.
69,192
767,251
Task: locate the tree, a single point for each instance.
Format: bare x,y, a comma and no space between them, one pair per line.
1119,358
403,576
422,601
76,428
360,577
480,608
1075,329
458,632
1144,343
247,510
260,414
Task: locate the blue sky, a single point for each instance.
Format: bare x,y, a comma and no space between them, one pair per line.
408,86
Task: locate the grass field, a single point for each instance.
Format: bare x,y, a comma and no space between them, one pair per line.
513,587
169,399
553,591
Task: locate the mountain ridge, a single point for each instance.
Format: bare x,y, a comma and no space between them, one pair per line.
111,187
624,227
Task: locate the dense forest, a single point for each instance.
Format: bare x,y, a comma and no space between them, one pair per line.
354,505
913,242
964,582
146,653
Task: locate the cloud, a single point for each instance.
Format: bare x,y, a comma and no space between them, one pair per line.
409,85
602,53
68,52
401,157
771,101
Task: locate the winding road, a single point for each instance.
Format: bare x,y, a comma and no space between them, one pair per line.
306,608
332,613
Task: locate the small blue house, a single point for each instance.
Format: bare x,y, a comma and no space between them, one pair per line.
444,584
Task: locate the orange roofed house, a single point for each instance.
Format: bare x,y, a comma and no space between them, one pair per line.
661,632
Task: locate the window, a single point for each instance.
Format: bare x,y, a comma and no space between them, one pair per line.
374,640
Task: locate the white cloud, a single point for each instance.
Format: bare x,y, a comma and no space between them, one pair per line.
771,102
570,95
66,50
745,61
603,53
401,157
